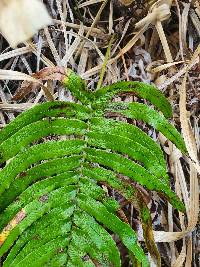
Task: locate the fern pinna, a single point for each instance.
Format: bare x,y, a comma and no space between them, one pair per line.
54,209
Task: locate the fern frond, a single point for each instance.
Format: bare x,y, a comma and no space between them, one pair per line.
142,90
146,114
77,87
54,211
46,110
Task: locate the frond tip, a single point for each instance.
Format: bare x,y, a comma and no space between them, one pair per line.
54,211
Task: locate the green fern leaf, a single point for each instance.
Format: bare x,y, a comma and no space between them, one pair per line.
54,211
139,89
146,114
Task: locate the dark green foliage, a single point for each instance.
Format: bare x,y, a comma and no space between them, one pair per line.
54,211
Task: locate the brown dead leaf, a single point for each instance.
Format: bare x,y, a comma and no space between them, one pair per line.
18,76
56,73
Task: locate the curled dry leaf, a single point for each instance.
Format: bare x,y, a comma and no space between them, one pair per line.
56,73
18,76
160,11
21,19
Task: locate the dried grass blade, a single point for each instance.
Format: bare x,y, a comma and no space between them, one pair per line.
15,53
186,128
